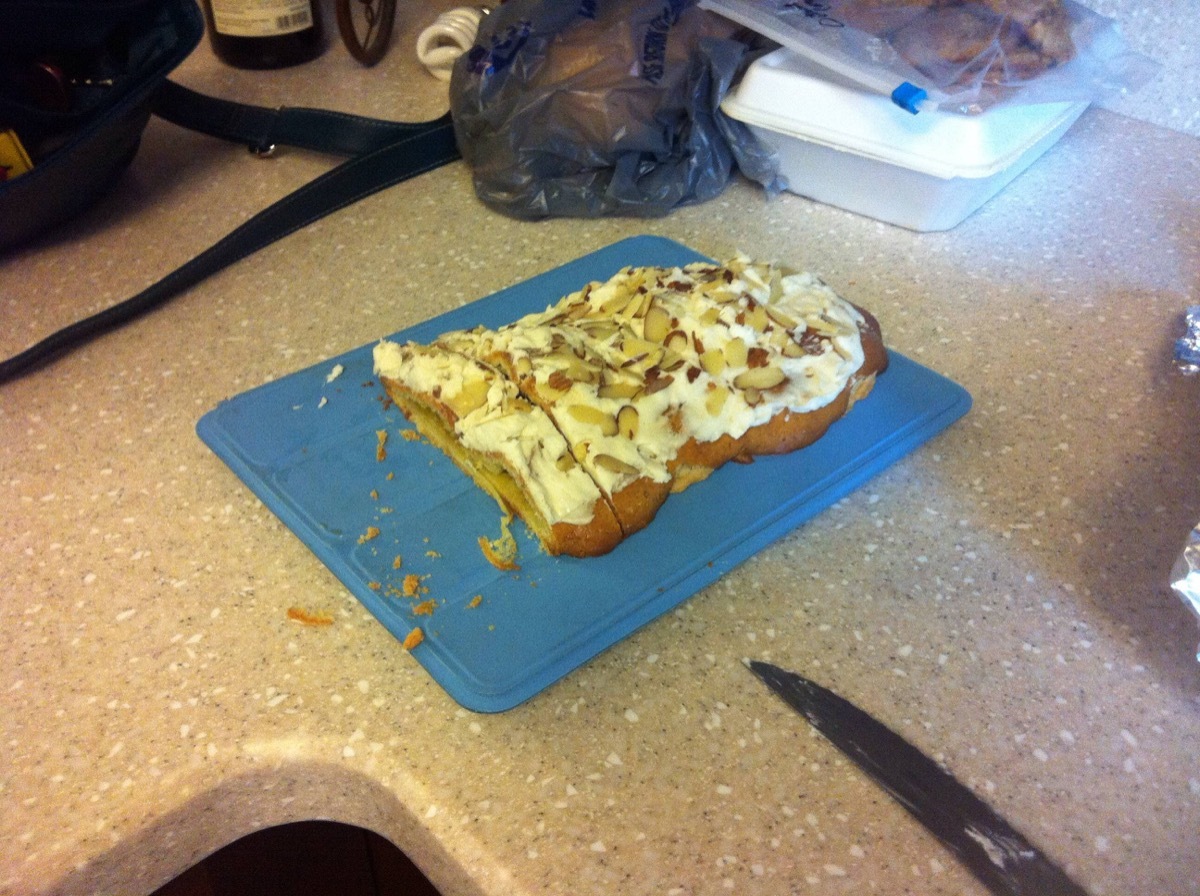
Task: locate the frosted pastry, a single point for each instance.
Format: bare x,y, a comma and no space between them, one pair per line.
582,419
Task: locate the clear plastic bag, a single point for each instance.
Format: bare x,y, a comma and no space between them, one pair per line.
601,107
967,55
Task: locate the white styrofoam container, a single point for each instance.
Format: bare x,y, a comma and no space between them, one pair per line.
856,150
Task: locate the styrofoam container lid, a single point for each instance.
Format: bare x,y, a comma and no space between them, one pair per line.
787,94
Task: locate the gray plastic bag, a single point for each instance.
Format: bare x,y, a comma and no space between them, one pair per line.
601,107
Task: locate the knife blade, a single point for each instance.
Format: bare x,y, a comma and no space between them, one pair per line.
995,852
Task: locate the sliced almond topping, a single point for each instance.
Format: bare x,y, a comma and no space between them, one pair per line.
779,338
643,362
676,341
614,465
585,413
615,302
544,392
600,328
776,284
556,385
621,389
656,324
578,309
671,362
827,326
784,320
715,400
811,343
561,356
646,298
756,317
473,395
582,372
635,347
713,362
713,288
627,421
736,352
760,378
656,381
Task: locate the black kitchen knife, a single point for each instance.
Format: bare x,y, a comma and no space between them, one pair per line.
1003,860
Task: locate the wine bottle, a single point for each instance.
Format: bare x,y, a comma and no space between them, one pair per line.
263,34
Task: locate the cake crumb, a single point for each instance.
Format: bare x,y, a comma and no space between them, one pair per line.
397,562
333,374
501,552
374,586
475,601
425,607
304,617
372,532
381,437
413,586
413,638
410,435
374,494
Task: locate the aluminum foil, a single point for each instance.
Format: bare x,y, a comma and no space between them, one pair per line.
1187,347
1185,576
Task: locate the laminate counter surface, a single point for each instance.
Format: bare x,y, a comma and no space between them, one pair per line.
1000,597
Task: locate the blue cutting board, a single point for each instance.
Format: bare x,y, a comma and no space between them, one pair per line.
314,464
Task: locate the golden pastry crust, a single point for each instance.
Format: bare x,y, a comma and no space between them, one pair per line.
593,539
639,387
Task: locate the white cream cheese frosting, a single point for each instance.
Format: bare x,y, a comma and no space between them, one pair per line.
624,373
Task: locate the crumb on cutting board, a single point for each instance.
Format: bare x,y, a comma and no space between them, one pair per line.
501,552
413,585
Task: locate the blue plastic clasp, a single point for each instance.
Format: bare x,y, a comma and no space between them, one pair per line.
908,97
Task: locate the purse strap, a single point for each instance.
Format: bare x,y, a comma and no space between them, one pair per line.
383,153
261,128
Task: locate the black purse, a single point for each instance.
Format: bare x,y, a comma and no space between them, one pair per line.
79,80
77,83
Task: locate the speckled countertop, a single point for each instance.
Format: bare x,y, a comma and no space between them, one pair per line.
1000,596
